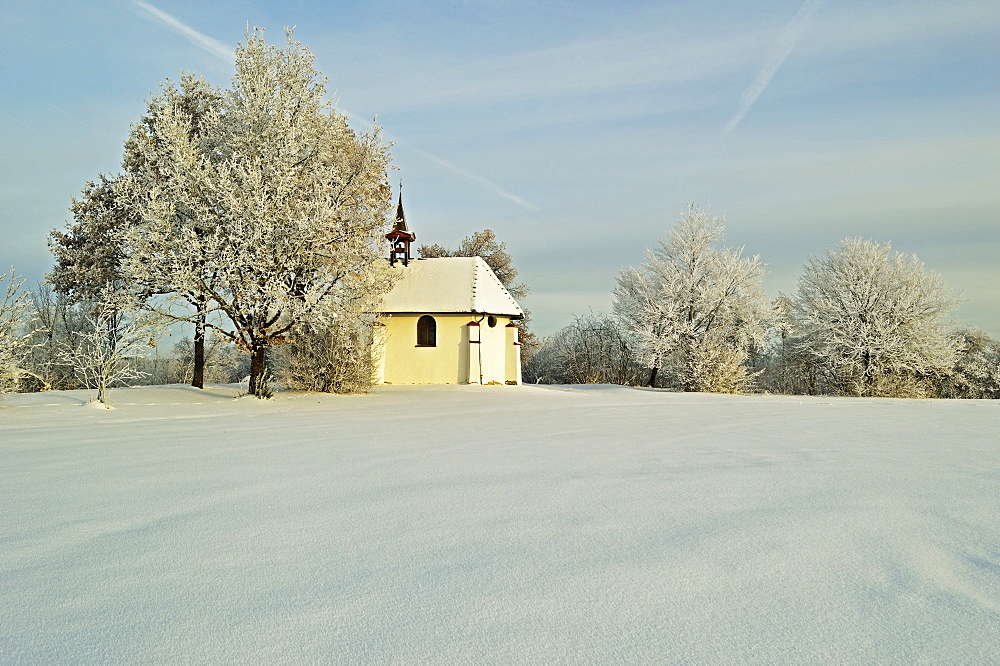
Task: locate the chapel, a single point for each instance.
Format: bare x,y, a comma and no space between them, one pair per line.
447,320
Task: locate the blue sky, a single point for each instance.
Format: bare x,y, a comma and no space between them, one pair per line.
578,131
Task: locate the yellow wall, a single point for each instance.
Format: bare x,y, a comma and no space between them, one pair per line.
454,360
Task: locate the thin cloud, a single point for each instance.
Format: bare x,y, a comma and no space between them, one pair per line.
588,67
775,59
201,40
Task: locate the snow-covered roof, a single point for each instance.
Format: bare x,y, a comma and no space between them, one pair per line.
450,284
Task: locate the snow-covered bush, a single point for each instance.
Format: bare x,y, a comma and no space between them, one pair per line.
874,320
594,349
696,309
333,359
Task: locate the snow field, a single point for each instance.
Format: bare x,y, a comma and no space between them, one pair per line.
498,524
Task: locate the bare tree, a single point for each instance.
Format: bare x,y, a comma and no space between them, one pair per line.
223,364
57,321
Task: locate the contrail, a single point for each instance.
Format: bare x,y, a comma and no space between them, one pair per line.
213,46
223,52
471,176
465,173
775,59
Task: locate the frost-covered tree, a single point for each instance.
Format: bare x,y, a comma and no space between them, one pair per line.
150,163
57,320
976,373
103,354
494,252
696,309
594,349
89,252
875,320
89,257
289,206
15,333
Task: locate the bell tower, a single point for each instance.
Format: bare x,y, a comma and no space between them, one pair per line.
400,237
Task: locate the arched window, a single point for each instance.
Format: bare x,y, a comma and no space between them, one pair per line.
426,331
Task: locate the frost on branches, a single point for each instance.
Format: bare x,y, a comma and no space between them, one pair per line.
91,252
88,253
150,165
273,211
977,370
874,320
696,309
56,322
15,336
339,358
104,353
594,349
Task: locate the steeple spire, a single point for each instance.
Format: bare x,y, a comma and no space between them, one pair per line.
400,237
400,215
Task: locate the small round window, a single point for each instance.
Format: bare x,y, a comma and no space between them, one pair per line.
491,321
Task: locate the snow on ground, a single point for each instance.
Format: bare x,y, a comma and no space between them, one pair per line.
498,524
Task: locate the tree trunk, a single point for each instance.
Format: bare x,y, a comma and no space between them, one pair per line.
257,358
867,380
652,377
198,373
